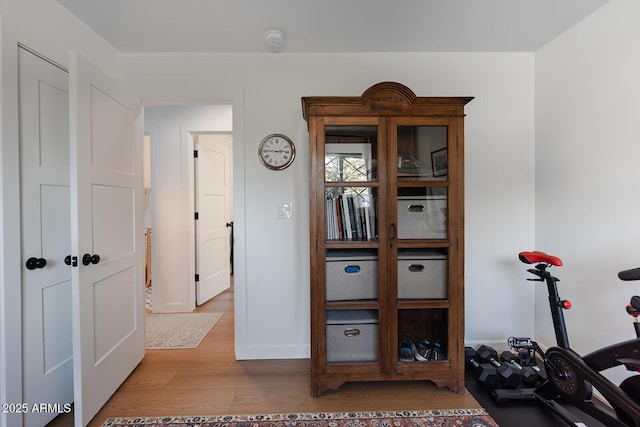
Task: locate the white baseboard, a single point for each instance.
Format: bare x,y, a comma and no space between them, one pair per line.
498,345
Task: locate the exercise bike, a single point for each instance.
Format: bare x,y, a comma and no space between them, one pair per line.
571,377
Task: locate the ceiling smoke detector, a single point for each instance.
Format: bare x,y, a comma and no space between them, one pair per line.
275,38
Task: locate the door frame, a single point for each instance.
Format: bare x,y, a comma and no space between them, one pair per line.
235,98
10,249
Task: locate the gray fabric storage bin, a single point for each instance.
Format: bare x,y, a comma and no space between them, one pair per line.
422,217
352,335
351,275
422,274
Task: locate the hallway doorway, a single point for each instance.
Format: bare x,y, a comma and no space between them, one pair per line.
173,131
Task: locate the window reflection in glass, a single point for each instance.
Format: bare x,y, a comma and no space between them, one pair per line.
350,153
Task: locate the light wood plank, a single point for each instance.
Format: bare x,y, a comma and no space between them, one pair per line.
209,381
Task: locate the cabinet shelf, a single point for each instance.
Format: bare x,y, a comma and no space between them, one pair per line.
338,184
403,182
352,305
395,271
410,304
351,244
422,243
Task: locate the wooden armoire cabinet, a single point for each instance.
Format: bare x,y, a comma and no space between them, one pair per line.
387,238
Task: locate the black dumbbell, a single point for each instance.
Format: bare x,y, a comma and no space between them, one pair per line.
485,373
542,376
509,377
529,375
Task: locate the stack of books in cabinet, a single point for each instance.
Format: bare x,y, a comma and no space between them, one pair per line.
350,217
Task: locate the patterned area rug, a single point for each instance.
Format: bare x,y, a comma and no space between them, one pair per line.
435,418
180,330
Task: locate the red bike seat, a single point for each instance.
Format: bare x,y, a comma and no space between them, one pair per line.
534,257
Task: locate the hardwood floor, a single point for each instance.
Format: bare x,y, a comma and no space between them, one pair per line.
209,381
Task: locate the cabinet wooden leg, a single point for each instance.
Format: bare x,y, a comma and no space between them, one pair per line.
321,387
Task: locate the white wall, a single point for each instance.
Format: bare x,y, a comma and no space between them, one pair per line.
576,97
44,26
171,202
499,173
587,174
583,86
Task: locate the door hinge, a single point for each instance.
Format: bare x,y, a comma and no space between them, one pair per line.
197,277
195,153
195,215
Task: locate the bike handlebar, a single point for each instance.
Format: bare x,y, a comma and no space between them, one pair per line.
632,274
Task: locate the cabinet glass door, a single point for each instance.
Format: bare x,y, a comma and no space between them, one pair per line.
421,253
350,163
351,189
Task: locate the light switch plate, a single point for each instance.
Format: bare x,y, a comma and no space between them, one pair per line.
285,211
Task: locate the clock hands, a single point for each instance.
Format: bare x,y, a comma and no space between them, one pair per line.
277,151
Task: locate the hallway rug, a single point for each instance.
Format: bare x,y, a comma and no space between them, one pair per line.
427,418
179,330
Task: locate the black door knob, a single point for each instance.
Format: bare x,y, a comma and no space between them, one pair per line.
33,263
90,259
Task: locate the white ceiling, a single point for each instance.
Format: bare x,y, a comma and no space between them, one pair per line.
331,25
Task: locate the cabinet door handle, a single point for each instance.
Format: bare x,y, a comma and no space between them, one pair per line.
392,231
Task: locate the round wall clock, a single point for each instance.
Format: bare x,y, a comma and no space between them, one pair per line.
276,151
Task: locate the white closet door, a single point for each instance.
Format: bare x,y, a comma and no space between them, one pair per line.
107,230
45,238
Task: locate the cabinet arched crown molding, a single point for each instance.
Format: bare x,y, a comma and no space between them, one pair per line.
388,93
383,99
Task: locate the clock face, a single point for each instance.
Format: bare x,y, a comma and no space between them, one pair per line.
276,151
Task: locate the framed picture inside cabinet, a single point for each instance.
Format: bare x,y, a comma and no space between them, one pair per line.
439,162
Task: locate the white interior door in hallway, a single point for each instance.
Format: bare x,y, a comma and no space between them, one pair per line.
107,235
213,199
45,237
